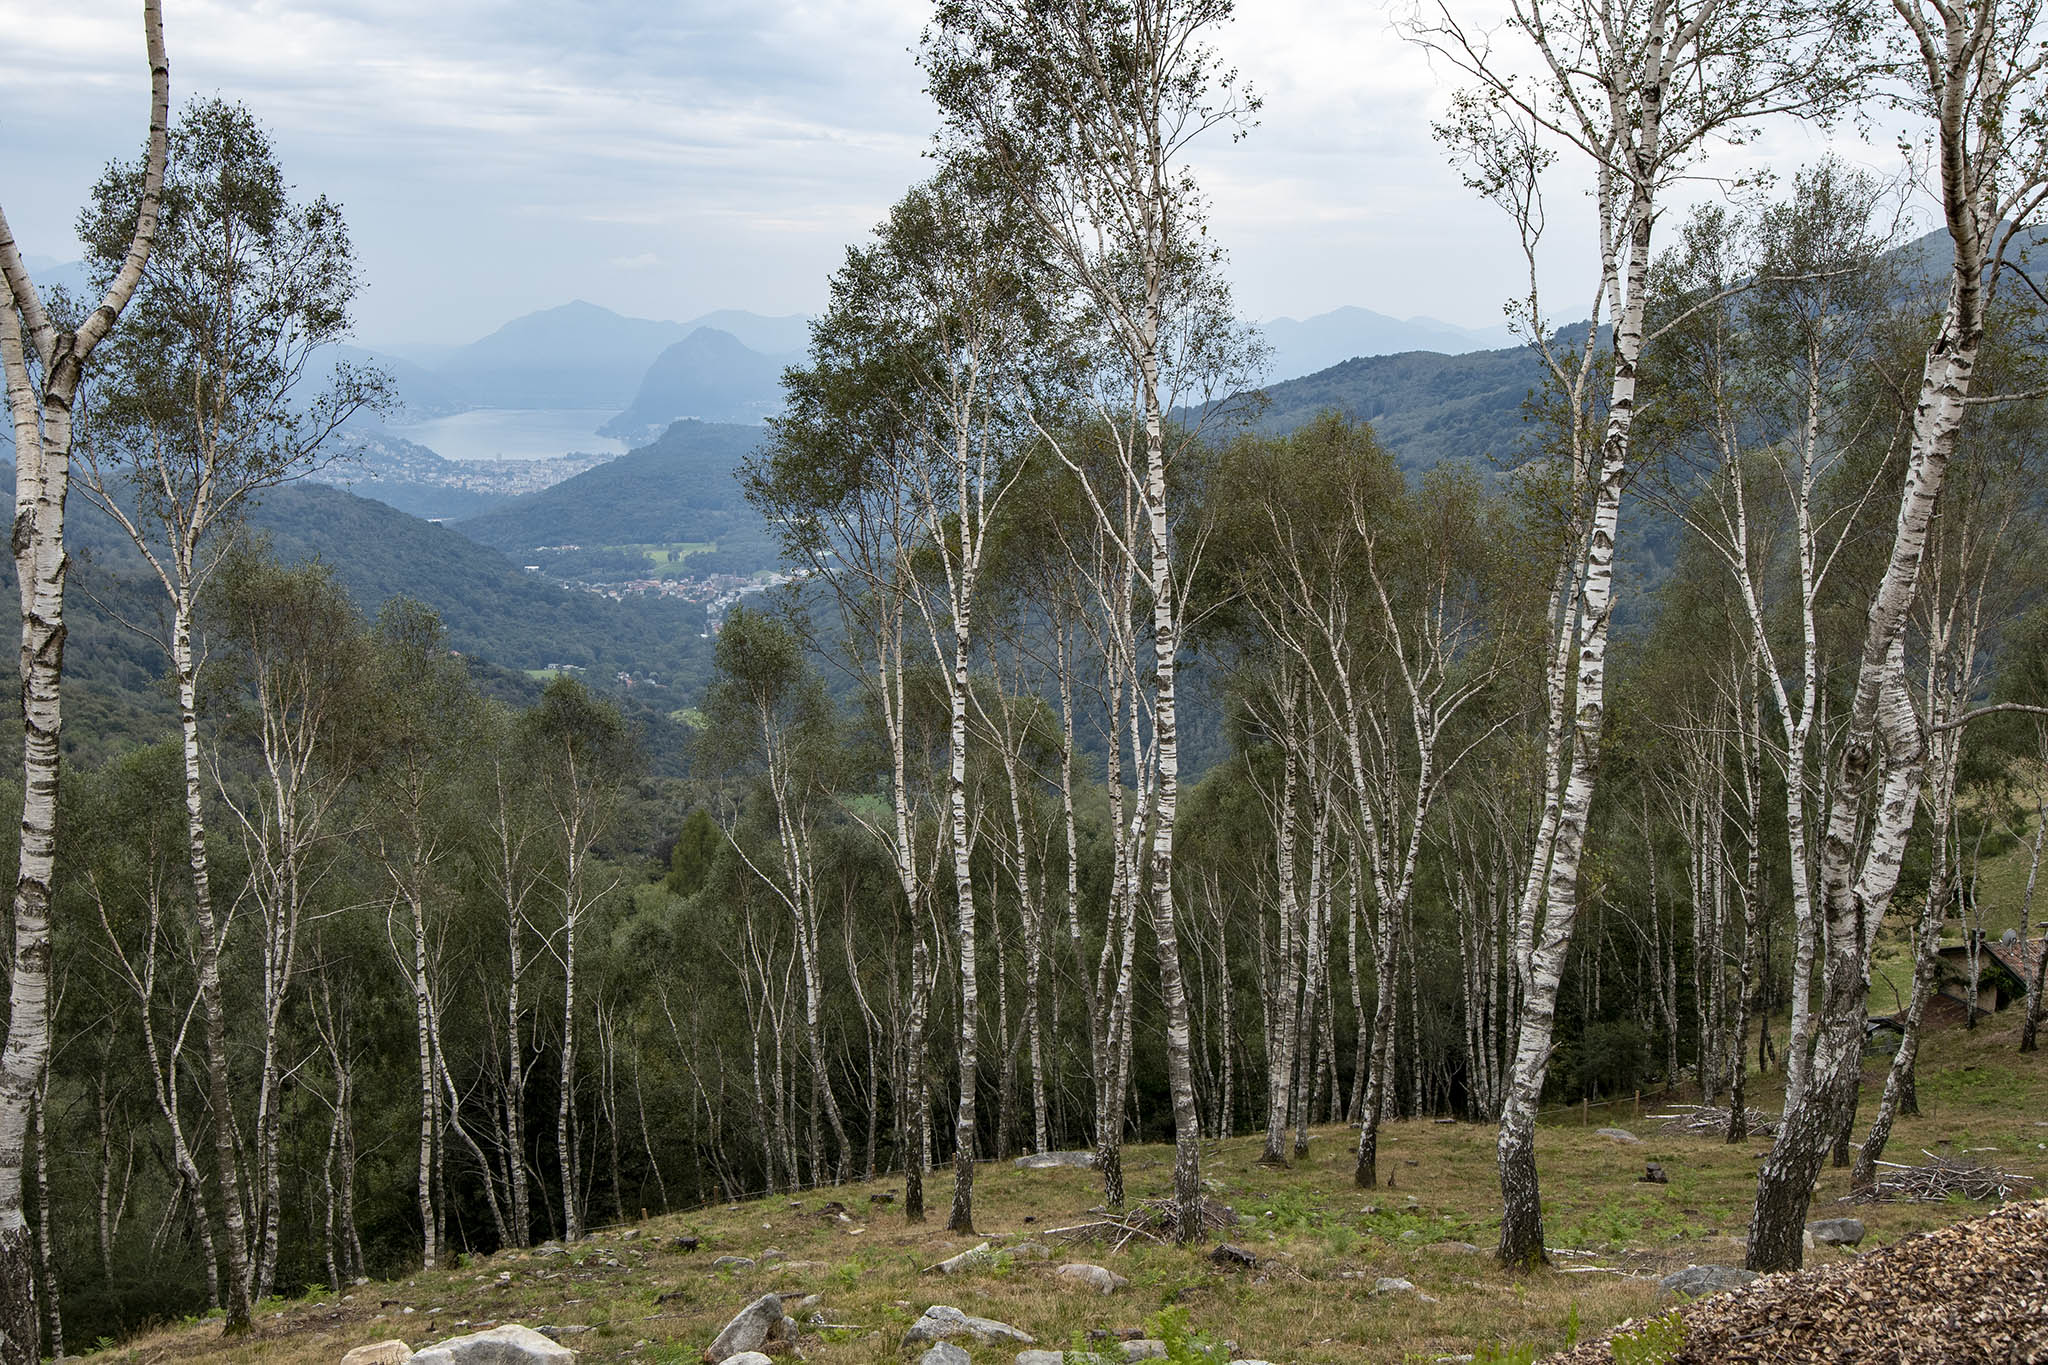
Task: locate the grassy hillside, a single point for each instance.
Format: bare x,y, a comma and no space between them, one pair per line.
681,489
1322,1247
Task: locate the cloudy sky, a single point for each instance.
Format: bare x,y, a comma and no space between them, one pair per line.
668,157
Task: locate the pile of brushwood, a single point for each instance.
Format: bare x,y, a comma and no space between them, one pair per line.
1973,1293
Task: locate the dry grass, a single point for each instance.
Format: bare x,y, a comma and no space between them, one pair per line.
1322,1245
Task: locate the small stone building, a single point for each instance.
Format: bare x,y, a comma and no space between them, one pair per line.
2002,970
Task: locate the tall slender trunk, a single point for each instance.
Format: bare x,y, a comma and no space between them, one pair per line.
962,1217
1521,1241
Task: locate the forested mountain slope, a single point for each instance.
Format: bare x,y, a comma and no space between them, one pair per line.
506,620
681,489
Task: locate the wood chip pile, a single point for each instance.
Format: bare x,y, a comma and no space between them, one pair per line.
1941,1179
1972,1293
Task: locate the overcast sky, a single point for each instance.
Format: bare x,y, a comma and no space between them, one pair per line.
668,157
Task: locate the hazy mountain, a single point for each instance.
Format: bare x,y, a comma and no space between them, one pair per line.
1314,344
420,392
680,489
576,356
785,338
708,375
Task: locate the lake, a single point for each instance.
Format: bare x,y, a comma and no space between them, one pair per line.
513,433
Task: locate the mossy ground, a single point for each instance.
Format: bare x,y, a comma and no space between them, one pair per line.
1311,1300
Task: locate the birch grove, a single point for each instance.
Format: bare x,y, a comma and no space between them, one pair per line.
1123,756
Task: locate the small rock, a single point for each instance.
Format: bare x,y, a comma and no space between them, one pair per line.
1030,1251
511,1344
1697,1280
945,1353
1621,1135
750,1358
556,1333
390,1352
1145,1348
1461,1248
748,1331
732,1263
1231,1255
942,1322
885,1197
771,1256
1653,1174
1392,1284
966,1260
1098,1278
1837,1232
1059,1358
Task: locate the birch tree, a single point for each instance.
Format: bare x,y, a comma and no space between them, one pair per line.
43,360
1089,111
199,407
1975,72
1637,91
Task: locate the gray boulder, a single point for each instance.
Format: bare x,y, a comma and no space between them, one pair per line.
965,1261
1837,1232
945,1353
1060,1358
732,1263
1621,1135
1392,1284
943,1322
1697,1280
749,1330
507,1345
750,1358
1046,1161
1145,1348
1461,1248
391,1352
1098,1278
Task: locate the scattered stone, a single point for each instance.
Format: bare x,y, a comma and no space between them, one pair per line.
1621,1135
885,1197
945,1353
770,1257
1837,1232
750,1358
511,1344
1461,1248
555,1333
1696,1281
942,1322
1046,1161
1393,1284
1145,1348
1653,1174
391,1352
1233,1257
732,1263
1057,1358
550,1249
1031,1251
748,1331
966,1260
1098,1278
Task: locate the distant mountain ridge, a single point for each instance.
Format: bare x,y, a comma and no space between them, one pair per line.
1310,345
